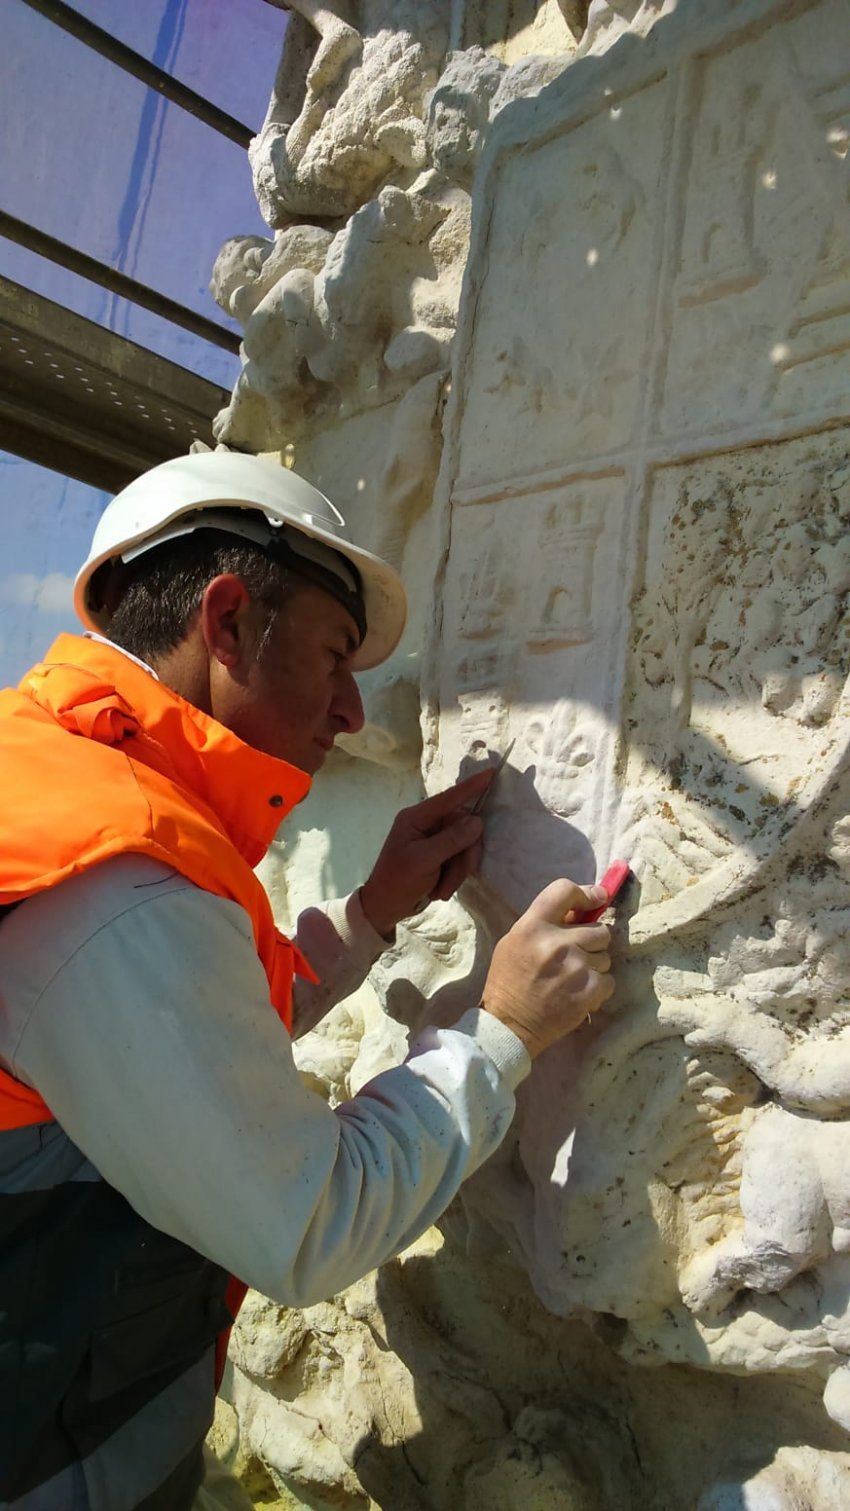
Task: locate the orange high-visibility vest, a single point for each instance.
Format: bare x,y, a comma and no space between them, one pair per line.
98,758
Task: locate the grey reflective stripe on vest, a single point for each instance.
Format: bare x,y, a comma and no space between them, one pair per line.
106,1334
39,1158
145,1463
68,1488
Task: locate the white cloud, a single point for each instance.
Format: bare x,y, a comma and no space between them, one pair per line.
52,594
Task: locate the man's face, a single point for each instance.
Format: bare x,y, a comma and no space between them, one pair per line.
300,693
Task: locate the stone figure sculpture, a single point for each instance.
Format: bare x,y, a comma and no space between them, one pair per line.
606,440
338,39
357,315
325,153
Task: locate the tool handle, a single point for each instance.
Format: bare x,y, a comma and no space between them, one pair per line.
615,877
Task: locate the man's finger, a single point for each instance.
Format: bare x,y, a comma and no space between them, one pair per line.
600,962
562,897
590,937
455,871
596,989
431,810
459,835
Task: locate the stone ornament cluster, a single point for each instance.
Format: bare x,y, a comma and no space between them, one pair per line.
557,307
335,319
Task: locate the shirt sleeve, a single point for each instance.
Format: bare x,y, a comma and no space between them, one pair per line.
158,1051
341,945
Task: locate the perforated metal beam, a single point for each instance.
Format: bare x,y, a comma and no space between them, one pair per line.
89,403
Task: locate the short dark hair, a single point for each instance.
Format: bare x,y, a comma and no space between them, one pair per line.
157,595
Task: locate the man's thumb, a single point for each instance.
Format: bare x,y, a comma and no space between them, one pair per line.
562,897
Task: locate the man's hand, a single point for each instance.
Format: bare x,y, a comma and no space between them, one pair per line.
549,974
430,849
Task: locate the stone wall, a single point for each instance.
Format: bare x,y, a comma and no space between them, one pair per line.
558,311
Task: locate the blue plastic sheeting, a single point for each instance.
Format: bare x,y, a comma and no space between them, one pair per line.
46,527
95,158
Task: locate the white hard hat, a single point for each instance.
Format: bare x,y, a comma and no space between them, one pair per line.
281,510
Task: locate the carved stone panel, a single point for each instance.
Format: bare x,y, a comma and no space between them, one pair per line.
759,300
644,581
536,647
559,354
646,496
736,714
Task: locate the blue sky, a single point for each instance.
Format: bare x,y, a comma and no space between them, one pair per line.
95,158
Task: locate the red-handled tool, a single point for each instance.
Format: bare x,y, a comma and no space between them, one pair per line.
615,877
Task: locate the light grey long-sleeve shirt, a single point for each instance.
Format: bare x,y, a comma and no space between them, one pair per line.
134,1002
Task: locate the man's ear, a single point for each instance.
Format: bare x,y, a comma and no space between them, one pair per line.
225,619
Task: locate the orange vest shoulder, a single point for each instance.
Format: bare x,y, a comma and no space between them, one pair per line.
88,777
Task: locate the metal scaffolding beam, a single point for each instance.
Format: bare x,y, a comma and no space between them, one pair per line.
89,403
141,68
117,283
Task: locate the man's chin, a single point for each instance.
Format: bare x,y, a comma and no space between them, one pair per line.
318,755
309,761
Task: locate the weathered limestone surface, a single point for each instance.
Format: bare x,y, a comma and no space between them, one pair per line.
613,465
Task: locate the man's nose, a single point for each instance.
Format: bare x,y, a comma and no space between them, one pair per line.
348,705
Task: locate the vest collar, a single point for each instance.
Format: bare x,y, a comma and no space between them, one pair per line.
104,640
91,688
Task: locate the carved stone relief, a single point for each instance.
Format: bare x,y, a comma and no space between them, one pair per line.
621,498
659,618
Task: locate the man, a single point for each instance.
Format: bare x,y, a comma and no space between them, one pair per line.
156,1139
